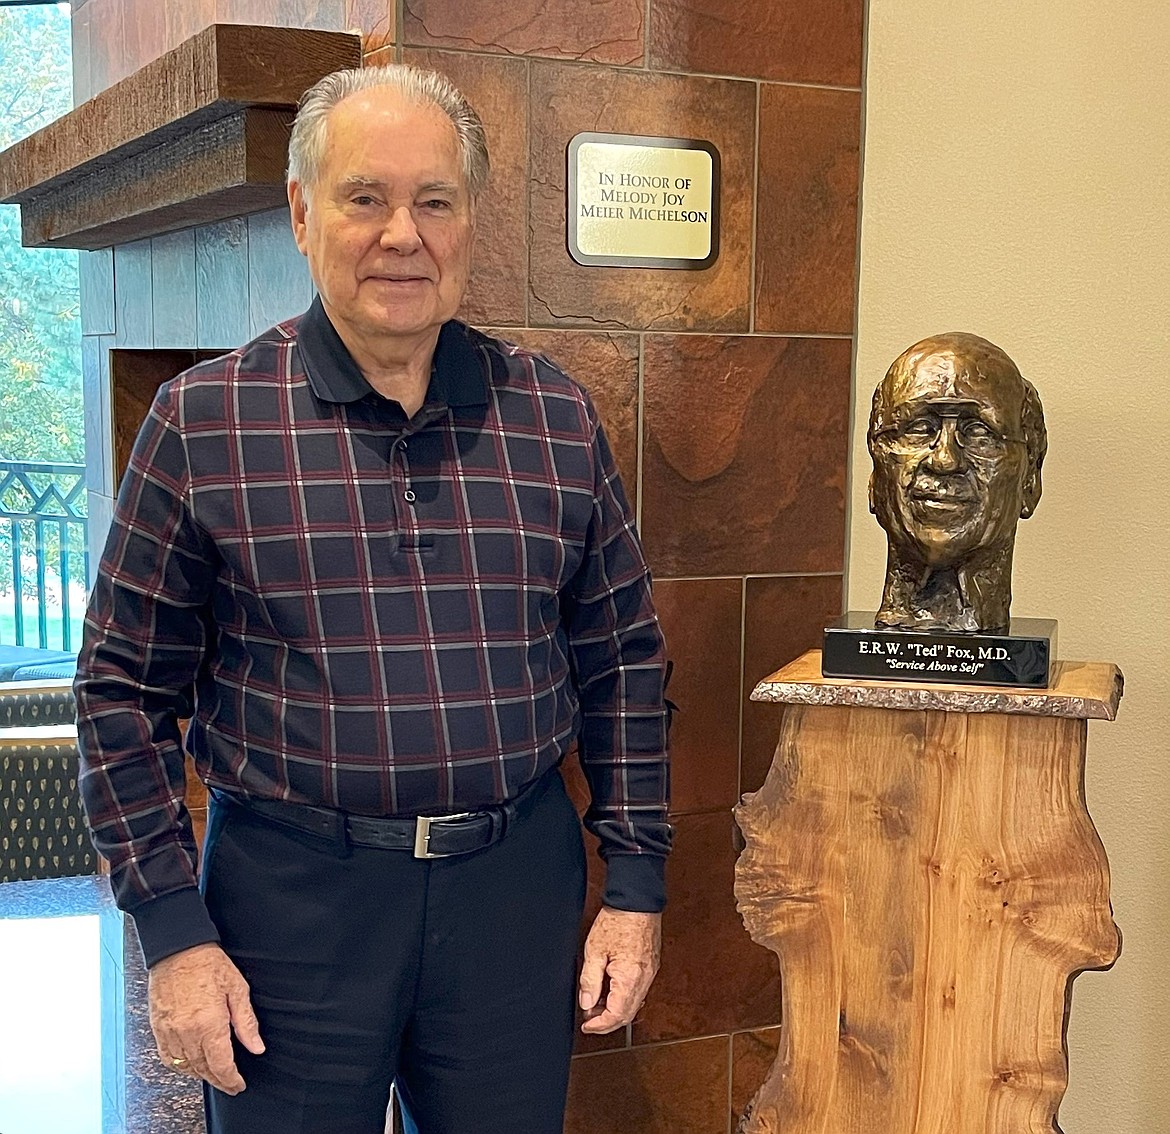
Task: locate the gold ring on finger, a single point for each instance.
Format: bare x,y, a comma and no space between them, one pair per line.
178,1061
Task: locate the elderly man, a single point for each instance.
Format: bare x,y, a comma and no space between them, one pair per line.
386,565
957,438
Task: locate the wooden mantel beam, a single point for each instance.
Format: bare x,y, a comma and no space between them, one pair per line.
198,135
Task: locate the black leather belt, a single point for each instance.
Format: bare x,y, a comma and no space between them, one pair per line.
427,836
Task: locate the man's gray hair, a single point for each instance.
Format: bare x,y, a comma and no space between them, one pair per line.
306,147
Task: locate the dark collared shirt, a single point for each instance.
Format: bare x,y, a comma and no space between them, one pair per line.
365,612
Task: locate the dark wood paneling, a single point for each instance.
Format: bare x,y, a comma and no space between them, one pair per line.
135,376
218,71
229,167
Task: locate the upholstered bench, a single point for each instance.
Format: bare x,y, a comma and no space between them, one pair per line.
33,703
42,831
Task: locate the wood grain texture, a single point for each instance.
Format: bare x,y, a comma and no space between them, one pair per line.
1084,690
230,167
714,979
122,164
932,884
222,69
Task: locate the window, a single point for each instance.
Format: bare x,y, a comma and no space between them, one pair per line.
42,449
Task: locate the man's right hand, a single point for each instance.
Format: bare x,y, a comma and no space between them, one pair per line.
196,998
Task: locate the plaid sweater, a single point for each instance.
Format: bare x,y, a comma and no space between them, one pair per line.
383,615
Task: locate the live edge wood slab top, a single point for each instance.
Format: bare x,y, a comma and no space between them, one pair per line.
1084,690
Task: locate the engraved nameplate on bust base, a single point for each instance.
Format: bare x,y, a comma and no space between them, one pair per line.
1022,657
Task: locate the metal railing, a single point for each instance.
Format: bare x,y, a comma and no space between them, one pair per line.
44,552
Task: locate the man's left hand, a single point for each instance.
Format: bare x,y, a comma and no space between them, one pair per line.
623,947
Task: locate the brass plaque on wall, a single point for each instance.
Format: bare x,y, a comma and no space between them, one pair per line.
639,202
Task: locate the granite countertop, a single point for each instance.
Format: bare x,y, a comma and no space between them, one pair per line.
76,1052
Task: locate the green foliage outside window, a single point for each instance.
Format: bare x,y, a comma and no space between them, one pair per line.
41,415
40,318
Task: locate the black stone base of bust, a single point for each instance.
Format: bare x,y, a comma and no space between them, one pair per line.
1023,657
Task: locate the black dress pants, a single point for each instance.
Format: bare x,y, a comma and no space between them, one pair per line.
452,978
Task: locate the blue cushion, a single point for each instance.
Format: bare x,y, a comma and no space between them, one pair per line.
46,672
23,663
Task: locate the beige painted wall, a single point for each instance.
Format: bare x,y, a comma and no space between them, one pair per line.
1017,184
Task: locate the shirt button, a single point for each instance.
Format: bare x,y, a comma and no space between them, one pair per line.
408,496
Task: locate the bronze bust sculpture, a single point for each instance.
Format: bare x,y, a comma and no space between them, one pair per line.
957,438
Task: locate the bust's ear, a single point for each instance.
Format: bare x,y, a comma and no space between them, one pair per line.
1032,489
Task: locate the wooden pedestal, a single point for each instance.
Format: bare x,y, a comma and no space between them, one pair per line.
922,861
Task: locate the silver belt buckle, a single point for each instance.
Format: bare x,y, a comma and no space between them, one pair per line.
422,832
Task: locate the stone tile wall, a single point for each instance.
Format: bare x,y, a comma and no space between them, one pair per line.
726,392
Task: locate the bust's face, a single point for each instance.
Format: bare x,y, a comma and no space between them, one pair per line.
951,471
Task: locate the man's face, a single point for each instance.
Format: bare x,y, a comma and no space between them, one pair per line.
388,227
950,467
